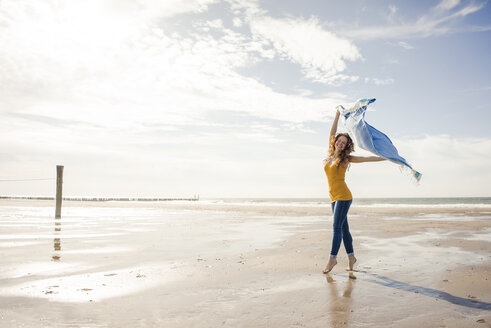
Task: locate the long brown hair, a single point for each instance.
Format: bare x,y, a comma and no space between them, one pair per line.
344,155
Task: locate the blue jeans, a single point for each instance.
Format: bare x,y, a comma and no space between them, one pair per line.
341,228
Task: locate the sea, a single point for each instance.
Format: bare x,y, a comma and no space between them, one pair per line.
365,202
375,202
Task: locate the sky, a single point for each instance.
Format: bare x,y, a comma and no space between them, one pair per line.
232,98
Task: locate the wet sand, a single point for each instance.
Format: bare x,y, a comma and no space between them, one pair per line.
210,265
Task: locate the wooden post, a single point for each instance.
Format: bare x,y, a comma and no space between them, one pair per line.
59,187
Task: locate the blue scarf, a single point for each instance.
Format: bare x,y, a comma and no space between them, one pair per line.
367,137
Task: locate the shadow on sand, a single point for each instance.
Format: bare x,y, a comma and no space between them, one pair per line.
388,282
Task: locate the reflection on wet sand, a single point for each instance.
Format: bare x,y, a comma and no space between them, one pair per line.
57,241
340,306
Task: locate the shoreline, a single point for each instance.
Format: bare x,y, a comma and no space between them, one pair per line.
269,209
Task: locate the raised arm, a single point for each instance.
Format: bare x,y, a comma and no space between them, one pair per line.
334,127
360,159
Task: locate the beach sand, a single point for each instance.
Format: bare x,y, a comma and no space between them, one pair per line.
198,264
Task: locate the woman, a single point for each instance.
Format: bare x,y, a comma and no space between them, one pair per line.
338,160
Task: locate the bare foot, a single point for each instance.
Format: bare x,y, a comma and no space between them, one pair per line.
332,262
351,263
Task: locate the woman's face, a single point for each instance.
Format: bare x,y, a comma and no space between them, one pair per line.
340,144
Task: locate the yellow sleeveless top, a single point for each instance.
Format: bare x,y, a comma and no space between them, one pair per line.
338,190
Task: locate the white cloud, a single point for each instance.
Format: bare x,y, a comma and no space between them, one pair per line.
123,92
152,9
447,4
127,103
405,45
378,81
383,82
391,17
436,22
451,167
216,23
237,22
247,8
321,54
129,74
435,17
